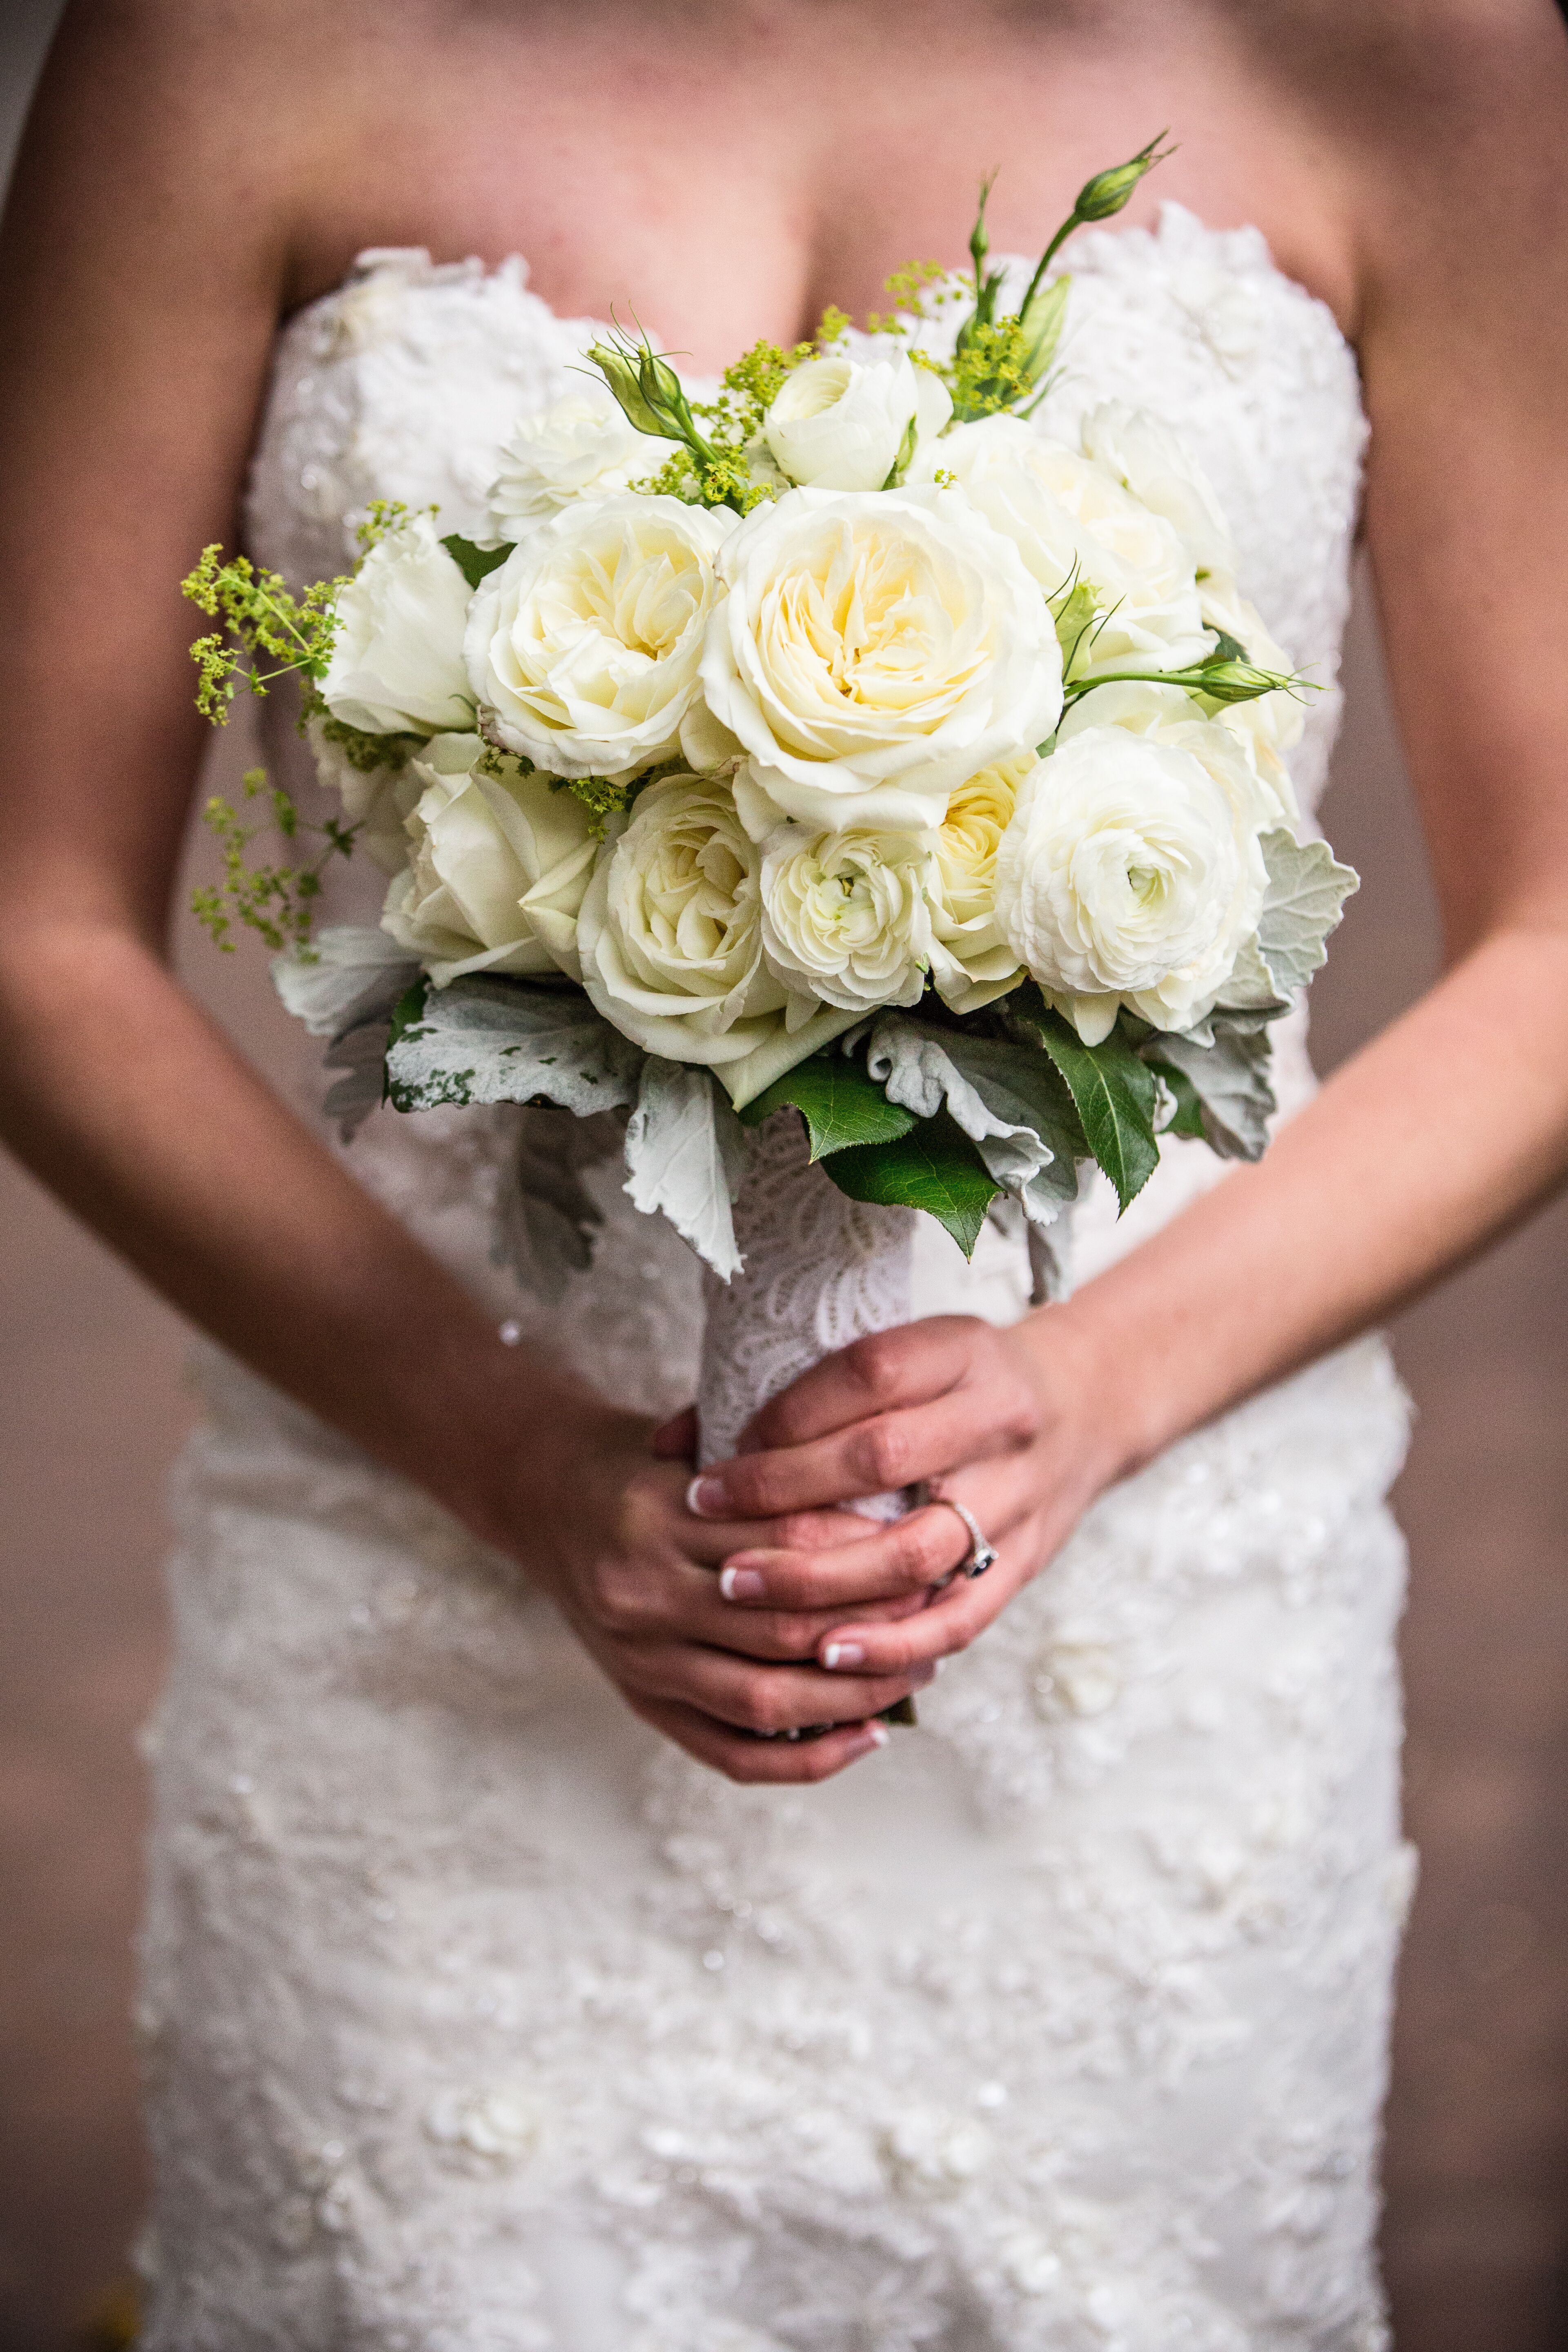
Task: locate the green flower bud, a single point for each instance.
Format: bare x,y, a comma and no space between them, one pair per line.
1106,193
622,370
1042,319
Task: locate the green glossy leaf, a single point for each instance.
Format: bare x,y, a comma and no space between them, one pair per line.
934,1166
841,1105
1113,1090
475,563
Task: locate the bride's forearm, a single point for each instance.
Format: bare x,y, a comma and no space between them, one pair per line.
121,1096
1442,1131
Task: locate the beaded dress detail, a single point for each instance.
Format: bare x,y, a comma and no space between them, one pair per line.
478,2019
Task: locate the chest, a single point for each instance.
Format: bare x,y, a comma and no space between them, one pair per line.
725,172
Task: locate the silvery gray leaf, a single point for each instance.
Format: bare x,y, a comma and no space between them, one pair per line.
361,1055
485,1040
1250,998
1230,1078
546,1220
1305,898
358,975
1007,1099
685,1154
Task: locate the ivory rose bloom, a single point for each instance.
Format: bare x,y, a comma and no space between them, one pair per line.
840,424
1129,876
396,664
583,647
378,801
847,915
972,962
670,930
873,650
499,868
581,447
1071,521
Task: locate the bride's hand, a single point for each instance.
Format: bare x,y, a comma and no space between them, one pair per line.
602,1524
1000,1421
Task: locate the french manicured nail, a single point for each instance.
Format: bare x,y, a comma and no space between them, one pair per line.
742,1585
877,1736
839,1656
705,1498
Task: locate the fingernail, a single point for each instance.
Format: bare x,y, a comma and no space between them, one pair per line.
840,1654
742,1585
705,1498
876,1735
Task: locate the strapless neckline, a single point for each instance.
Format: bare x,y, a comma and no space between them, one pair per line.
515,268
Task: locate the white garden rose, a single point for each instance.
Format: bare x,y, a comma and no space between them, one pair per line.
1071,521
1129,876
1145,456
396,664
583,647
972,963
840,424
847,915
670,930
499,868
581,447
872,651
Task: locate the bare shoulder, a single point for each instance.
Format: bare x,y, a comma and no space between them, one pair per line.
1445,123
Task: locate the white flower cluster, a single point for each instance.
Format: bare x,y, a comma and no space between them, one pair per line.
874,736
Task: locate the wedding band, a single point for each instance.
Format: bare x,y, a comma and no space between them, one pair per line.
981,1555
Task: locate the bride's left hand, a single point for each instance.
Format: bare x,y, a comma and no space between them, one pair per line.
1005,1422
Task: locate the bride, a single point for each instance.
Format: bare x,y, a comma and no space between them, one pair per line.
503,1988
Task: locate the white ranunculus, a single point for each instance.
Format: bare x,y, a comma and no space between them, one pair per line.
1269,726
499,868
840,424
581,447
847,915
872,651
1071,521
972,963
670,930
583,646
396,664
1129,876
1146,457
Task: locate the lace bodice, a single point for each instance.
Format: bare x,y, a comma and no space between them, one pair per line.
403,385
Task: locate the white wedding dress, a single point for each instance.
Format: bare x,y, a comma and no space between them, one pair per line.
481,2020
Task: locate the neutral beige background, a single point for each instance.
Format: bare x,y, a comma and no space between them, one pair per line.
91,1407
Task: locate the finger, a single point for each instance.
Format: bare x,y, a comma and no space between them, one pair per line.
968,1424
903,1558
886,1369
675,1440
710,1543
955,1618
761,1699
760,1761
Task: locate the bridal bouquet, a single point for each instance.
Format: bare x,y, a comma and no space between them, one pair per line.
842,744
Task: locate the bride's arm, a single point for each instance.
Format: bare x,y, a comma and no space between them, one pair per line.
142,265
1449,1126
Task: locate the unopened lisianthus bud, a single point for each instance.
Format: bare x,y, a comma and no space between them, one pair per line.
1106,192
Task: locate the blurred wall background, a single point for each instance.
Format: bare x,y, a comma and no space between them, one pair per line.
92,1406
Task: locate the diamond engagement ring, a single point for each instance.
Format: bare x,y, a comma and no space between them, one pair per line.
981,1555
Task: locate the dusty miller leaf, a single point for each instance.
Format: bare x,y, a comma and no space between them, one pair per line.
1009,1100
487,1040
546,1220
1305,899
1230,1082
685,1155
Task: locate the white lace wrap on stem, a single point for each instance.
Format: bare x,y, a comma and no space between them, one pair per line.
820,1271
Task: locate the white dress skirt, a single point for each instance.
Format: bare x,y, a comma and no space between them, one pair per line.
481,2020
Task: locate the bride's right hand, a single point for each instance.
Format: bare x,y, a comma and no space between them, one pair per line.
600,1522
